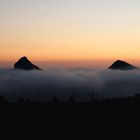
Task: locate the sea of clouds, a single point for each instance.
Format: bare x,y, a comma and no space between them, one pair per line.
63,83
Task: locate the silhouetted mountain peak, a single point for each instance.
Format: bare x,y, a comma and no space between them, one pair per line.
122,65
25,64
24,58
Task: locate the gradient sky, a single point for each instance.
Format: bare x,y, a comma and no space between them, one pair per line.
67,30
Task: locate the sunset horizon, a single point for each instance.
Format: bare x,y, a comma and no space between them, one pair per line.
87,30
96,64
70,57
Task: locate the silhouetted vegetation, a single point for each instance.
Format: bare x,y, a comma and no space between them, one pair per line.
100,107
55,100
71,100
21,101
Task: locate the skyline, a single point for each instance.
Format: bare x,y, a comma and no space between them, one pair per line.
96,64
70,30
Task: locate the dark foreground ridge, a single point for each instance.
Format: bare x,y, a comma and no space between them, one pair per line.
25,64
122,65
97,108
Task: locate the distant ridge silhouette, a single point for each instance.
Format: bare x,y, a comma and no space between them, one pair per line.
24,64
122,65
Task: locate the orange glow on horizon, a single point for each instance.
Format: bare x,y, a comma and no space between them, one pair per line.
101,64
70,31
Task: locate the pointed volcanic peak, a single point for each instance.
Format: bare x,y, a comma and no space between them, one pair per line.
24,64
122,65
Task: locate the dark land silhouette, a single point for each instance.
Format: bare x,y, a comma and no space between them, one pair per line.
25,64
122,65
128,107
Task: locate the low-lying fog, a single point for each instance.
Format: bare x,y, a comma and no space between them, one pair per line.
81,83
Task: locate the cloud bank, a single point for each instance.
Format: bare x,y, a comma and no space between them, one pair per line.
43,85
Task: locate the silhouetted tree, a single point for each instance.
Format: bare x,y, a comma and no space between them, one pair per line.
55,100
28,101
137,95
2,99
71,100
92,97
20,100
97,97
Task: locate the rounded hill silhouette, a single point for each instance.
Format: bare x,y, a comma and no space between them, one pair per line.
24,64
122,65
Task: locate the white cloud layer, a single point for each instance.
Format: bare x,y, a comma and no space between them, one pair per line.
43,85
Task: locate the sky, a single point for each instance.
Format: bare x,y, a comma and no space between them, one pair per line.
98,31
